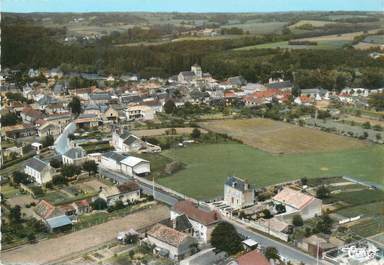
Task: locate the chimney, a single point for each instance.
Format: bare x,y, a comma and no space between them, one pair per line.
174,223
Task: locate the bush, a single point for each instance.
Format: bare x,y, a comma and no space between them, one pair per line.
99,204
297,220
322,192
225,238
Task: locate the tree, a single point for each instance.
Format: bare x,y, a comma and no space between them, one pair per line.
15,214
267,214
20,177
378,136
271,253
75,105
304,181
324,224
48,141
31,238
56,163
225,238
169,106
90,166
196,133
297,220
322,192
280,208
9,119
99,204
376,101
69,171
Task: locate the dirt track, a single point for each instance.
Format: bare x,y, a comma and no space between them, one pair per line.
53,249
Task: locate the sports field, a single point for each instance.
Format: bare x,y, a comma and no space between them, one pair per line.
280,137
208,166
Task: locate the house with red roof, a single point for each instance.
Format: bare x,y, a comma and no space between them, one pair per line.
298,202
203,221
254,257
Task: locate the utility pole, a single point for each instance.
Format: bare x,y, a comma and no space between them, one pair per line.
317,253
153,187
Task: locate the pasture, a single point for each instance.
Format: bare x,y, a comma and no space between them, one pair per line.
256,27
281,138
208,166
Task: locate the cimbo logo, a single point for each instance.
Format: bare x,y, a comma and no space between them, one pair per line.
359,253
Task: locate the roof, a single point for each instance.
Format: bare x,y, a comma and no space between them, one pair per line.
100,96
132,161
44,209
59,221
279,85
250,242
37,164
128,187
254,257
197,214
75,153
274,224
238,183
114,156
131,139
293,198
32,113
168,235
180,223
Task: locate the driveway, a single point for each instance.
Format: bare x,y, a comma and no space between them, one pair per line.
54,249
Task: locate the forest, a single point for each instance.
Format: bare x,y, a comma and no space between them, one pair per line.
25,45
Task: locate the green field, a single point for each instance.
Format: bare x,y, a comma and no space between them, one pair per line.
259,27
207,166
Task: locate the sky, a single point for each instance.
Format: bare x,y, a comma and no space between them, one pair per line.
188,6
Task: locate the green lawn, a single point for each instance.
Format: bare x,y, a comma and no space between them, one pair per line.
207,166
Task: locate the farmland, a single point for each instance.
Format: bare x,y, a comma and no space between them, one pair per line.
323,42
278,137
208,165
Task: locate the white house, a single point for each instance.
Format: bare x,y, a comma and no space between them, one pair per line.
297,202
127,193
127,142
238,193
111,160
74,156
168,241
203,222
139,112
132,165
39,170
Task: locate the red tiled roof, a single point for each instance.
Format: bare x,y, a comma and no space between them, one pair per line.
253,257
193,212
32,112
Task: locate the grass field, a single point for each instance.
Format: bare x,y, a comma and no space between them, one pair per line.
323,42
279,137
208,166
259,27
314,23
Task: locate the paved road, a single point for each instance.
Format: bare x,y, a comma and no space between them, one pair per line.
285,251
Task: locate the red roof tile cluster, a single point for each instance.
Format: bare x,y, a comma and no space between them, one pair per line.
254,257
193,212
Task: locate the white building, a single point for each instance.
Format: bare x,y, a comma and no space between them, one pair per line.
135,166
111,160
238,193
203,222
139,112
39,170
127,142
176,245
297,202
74,156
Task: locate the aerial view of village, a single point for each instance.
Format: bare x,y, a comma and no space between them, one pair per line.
193,133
